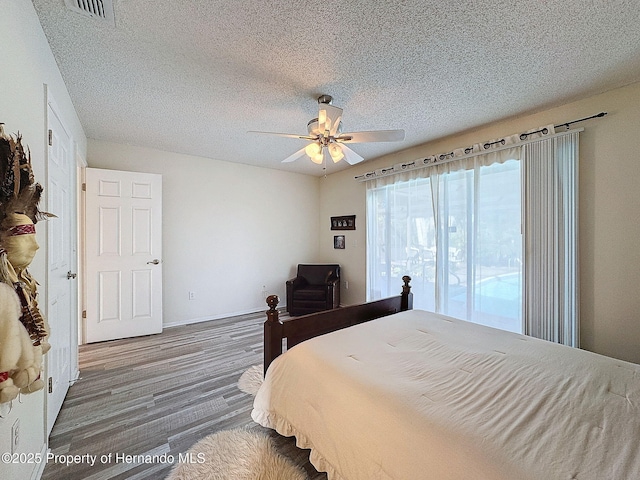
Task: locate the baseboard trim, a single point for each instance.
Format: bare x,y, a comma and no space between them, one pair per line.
75,376
190,321
39,470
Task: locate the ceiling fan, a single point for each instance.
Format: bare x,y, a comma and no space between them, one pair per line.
327,139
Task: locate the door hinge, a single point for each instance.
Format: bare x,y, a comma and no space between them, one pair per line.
84,187
50,384
84,314
50,137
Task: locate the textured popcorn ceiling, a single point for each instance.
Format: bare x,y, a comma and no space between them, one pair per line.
193,76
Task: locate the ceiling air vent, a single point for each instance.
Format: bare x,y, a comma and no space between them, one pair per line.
98,9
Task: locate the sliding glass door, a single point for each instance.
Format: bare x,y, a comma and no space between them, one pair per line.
458,236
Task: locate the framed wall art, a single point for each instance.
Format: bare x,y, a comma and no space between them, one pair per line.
339,242
347,222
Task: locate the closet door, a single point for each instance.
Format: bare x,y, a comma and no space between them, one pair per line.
62,287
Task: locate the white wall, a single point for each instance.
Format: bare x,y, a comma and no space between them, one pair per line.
230,231
27,65
609,210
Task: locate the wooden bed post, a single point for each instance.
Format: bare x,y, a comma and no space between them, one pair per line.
407,297
272,333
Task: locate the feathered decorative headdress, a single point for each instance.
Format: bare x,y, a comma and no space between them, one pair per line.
18,191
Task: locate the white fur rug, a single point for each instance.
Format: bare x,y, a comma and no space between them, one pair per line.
250,381
236,455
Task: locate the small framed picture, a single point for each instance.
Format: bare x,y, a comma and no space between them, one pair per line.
338,241
347,222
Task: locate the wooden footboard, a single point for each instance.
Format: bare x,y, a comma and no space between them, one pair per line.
299,329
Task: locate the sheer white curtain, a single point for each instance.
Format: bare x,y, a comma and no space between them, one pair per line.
455,229
490,238
550,191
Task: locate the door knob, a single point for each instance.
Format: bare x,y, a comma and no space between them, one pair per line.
155,261
71,275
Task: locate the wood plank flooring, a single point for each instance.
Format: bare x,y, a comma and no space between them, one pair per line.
160,394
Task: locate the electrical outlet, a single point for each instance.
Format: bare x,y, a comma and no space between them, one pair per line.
15,436
192,295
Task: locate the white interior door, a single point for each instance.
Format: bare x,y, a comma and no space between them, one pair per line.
123,254
61,284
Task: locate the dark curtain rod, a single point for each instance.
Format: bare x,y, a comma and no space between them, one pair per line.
598,115
523,136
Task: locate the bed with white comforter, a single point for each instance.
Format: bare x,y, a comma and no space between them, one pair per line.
418,395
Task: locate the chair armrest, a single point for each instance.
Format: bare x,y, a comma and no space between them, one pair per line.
332,278
333,292
296,282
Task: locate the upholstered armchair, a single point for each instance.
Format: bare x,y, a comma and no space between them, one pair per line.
315,288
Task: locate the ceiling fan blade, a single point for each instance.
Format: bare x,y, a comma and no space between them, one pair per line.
329,118
335,125
350,156
288,135
373,136
292,158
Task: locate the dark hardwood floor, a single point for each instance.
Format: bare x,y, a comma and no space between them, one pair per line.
159,394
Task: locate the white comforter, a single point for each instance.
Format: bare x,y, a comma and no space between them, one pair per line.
423,396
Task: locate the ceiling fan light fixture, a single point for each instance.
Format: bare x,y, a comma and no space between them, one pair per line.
313,149
336,152
318,159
